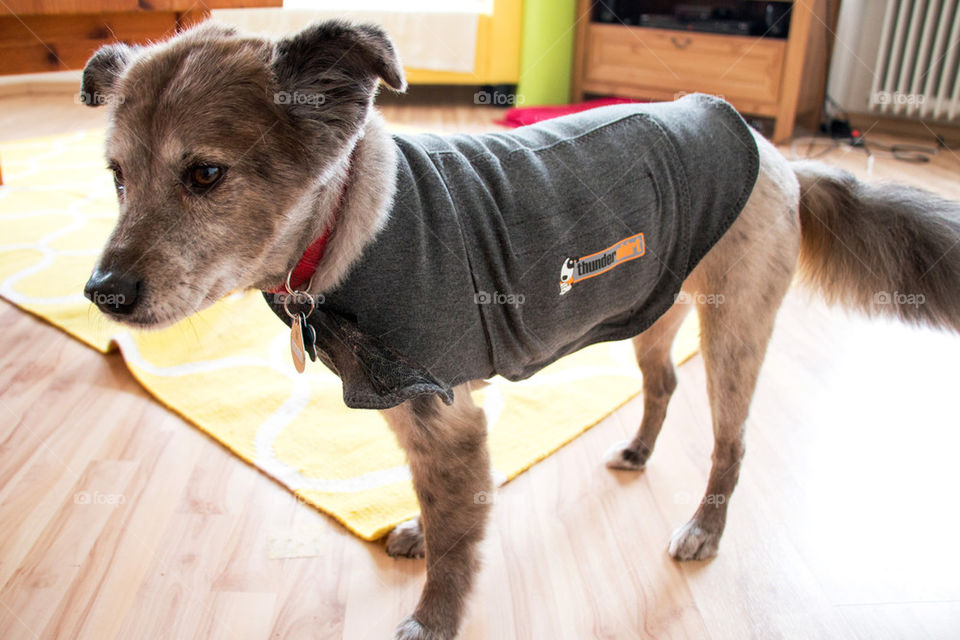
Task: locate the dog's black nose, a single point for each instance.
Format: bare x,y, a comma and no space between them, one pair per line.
114,292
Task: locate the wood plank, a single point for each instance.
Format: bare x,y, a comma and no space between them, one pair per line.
813,87
584,11
24,8
658,94
730,66
57,43
801,24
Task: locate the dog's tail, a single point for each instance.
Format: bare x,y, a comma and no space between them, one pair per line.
883,249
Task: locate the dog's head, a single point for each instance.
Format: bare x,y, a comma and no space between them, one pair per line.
213,138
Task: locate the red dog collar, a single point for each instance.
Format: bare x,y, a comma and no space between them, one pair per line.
309,261
303,272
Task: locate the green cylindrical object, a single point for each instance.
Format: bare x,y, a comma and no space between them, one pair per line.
546,54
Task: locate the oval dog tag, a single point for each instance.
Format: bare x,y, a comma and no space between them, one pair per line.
296,345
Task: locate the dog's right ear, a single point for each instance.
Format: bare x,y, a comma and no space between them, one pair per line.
101,73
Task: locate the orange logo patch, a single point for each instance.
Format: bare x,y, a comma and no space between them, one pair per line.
578,269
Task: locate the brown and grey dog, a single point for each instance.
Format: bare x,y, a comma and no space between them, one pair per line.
222,188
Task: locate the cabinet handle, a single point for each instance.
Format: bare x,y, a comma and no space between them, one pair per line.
680,44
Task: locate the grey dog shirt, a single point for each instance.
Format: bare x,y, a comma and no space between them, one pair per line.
506,251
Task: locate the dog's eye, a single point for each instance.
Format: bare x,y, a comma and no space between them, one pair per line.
203,177
117,178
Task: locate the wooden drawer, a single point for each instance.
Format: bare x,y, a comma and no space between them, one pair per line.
77,7
743,70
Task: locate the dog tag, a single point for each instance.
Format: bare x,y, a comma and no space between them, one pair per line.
296,344
309,338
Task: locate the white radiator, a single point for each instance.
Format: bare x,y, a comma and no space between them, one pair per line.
899,58
916,70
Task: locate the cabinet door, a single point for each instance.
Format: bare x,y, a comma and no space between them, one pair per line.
738,68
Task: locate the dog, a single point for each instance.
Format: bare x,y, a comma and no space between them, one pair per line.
227,176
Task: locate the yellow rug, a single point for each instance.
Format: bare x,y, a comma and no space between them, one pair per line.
237,382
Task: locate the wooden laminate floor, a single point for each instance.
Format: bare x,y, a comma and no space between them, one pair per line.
845,523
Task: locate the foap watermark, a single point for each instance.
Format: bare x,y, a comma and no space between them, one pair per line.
899,299
95,497
897,98
498,98
312,99
97,99
108,299
512,299
704,299
716,499
298,297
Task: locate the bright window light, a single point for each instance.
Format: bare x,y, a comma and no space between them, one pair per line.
392,6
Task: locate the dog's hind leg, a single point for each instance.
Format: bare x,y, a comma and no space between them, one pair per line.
733,347
659,381
740,285
447,450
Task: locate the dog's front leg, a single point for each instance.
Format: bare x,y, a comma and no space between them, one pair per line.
447,450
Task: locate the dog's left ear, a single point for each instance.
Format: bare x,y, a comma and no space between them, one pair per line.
101,73
323,55
321,52
327,76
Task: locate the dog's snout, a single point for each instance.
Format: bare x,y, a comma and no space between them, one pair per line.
114,292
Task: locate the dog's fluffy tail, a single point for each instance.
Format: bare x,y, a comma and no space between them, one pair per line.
883,249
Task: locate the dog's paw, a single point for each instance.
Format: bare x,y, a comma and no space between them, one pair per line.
621,456
410,629
691,542
406,540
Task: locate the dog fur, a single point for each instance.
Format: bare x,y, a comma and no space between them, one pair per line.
208,95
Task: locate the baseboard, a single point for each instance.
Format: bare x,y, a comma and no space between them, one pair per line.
34,83
912,127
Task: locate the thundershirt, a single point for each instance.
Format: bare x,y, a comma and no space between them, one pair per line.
506,251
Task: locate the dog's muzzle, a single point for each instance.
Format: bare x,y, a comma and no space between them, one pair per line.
114,292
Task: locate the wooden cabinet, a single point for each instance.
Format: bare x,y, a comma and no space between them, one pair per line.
772,77
56,35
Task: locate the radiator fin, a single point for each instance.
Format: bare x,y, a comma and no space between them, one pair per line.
918,63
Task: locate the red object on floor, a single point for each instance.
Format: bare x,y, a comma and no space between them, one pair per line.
520,116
